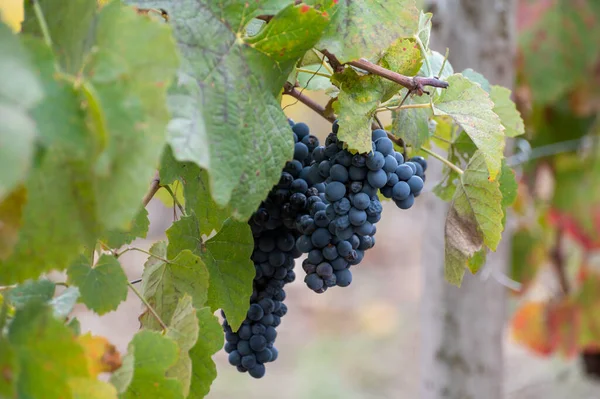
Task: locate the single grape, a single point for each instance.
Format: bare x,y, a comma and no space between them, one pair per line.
335,191
400,191
235,359
377,179
330,252
301,129
342,206
314,282
377,134
421,161
324,270
257,371
249,361
320,238
361,201
339,173
390,164
343,277
376,162
300,151
415,183
404,172
344,248
304,243
357,217
258,343
384,145
406,203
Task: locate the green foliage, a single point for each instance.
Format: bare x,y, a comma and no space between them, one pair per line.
218,105
137,229
474,218
87,174
166,281
20,91
143,376
362,28
184,330
196,191
94,100
471,108
47,354
103,286
210,341
560,48
505,108
227,258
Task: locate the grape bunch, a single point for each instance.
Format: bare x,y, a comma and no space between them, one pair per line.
326,205
252,346
337,232
273,228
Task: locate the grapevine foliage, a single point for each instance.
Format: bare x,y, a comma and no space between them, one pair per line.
104,104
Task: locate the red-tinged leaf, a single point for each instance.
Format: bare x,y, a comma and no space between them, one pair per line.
529,328
564,324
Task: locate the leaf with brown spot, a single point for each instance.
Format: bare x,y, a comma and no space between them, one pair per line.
474,218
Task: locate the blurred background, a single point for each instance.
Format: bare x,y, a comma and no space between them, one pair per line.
399,331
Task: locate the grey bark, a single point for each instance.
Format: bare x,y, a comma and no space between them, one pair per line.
462,328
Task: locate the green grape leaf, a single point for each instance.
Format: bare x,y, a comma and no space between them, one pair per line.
560,47
281,43
20,91
87,173
424,30
49,240
47,352
470,107
357,102
412,124
131,69
184,330
476,77
31,291
64,303
164,283
403,56
9,365
103,287
508,186
362,28
436,60
474,218
68,25
196,191
224,118
85,388
210,341
153,355
138,229
506,109
227,257
478,260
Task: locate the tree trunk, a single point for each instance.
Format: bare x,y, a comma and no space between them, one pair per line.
462,356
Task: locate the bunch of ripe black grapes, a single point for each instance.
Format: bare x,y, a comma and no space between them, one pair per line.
326,205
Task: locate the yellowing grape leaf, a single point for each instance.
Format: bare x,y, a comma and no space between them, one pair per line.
362,28
506,109
166,281
101,355
474,218
471,108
